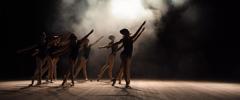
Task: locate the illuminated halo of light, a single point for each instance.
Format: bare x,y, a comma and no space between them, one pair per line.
127,9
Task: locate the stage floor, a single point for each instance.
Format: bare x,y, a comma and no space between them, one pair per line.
141,90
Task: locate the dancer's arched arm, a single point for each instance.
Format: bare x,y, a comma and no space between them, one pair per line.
117,43
134,39
96,41
139,29
27,49
119,48
86,36
106,46
35,52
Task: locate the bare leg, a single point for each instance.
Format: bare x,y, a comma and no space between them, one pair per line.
104,67
35,73
120,75
55,68
38,73
70,72
40,63
85,69
110,63
127,71
44,70
50,69
101,72
121,67
129,60
79,66
65,77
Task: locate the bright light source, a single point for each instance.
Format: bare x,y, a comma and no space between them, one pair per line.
127,9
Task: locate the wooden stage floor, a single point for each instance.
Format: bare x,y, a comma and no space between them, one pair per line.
141,90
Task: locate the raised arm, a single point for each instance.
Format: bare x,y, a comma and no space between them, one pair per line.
134,39
96,41
139,29
86,36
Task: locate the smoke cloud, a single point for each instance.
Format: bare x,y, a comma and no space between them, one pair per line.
108,17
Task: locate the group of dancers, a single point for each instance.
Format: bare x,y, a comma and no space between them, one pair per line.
52,47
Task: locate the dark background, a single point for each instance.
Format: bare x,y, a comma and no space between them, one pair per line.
216,52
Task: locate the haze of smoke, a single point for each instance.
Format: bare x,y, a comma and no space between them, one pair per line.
80,16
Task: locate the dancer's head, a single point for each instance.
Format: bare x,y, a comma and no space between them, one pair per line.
124,32
54,39
43,37
111,37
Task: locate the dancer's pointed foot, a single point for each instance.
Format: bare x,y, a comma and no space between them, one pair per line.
127,86
98,80
30,85
119,82
114,81
38,83
63,83
72,84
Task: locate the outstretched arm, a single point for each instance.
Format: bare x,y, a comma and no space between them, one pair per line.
134,39
61,50
36,52
63,43
117,43
139,29
27,49
120,48
96,41
107,46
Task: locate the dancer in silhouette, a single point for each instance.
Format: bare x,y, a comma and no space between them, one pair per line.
126,54
41,56
53,57
110,60
73,52
84,55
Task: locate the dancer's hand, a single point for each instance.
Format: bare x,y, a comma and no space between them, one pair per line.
100,47
143,23
91,31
